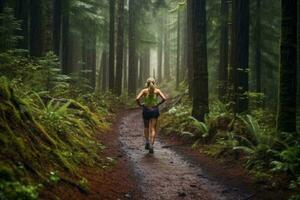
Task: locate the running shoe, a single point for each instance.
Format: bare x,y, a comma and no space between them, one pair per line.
147,146
151,150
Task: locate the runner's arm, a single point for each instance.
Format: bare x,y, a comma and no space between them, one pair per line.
139,96
163,97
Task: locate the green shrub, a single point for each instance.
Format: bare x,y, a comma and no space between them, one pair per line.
16,190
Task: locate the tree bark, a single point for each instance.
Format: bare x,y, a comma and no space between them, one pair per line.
199,50
160,54
178,50
167,71
286,114
111,77
132,63
36,28
104,70
57,15
120,47
223,63
141,67
240,45
91,56
189,49
125,68
66,69
146,63
48,26
298,66
22,13
184,46
258,45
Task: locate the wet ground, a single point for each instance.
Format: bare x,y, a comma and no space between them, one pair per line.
166,174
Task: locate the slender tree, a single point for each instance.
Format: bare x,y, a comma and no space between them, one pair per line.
167,70
184,45
199,50
223,62
57,15
125,68
240,55
160,54
178,49
104,70
120,47
298,64
48,15
36,28
111,77
257,36
91,55
141,67
132,62
66,69
286,114
189,50
22,13
146,62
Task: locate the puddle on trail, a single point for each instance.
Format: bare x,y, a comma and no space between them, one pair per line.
165,174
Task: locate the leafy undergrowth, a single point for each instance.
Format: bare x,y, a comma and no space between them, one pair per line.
269,156
40,139
48,123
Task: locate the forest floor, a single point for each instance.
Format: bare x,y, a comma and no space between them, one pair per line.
174,171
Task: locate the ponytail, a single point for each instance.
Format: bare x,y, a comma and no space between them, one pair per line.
150,85
151,88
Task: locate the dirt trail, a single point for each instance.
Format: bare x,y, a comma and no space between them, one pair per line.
166,174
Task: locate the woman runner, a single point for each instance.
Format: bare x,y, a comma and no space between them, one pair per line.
150,110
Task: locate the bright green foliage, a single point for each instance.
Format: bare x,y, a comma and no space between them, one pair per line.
258,144
40,129
251,138
15,190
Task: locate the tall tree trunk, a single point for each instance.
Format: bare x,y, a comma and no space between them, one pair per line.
84,53
141,67
91,52
167,53
146,63
120,47
223,63
111,78
286,114
22,13
160,54
36,28
57,6
125,68
48,26
178,50
132,64
298,66
189,50
258,45
199,50
104,70
240,43
184,46
66,68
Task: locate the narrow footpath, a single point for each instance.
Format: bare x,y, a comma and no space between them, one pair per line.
166,174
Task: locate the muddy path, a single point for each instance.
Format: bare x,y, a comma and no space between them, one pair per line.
166,174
